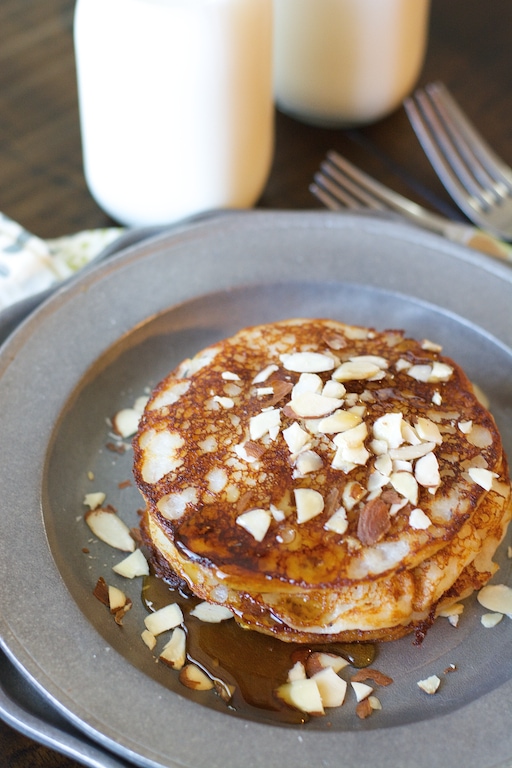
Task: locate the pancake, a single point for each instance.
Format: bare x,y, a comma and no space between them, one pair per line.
323,480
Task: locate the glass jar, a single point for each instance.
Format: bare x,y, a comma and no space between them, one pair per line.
340,63
176,105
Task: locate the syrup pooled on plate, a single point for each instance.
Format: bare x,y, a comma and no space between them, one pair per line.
245,666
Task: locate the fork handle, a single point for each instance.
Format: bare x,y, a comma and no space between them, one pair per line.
479,240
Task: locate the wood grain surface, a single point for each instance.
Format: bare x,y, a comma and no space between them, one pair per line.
43,188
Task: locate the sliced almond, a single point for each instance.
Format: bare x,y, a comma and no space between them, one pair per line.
94,500
358,410
332,688
256,522
409,434
148,639
120,612
100,591
339,421
116,598
419,372
428,430
310,405
351,438
126,422
355,370
483,477
297,672
309,503
295,437
455,609
384,464
165,618
224,690
431,345
419,520
132,566
278,514
430,684
364,709
349,456
261,391
310,362
230,376
174,652
194,678
308,382
497,598
224,402
336,341
489,620
338,522
353,492
377,360
334,389
264,423
307,462
264,374
440,372
426,471
375,675
254,450
376,482
378,446
109,528
389,428
279,390
211,613
402,364
302,695
361,690
399,465
318,660
406,485
373,522
411,452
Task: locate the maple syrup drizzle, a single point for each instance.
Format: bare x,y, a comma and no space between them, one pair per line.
248,664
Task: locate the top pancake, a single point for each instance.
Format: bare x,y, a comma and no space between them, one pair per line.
246,452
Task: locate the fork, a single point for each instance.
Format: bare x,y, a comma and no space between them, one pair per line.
476,178
339,185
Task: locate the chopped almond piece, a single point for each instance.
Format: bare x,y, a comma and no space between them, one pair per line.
371,674
373,522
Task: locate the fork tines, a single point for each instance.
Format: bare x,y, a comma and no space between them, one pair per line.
477,179
339,184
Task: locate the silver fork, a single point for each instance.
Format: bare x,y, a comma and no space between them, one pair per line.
340,185
476,178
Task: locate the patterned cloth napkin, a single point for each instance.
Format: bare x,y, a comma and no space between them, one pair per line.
29,265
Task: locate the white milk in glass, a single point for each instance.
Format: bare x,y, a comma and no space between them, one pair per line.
347,62
176,105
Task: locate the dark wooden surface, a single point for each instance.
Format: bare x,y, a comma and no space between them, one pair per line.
41,180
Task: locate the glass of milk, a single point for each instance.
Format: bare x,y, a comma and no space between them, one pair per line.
176,105
341,63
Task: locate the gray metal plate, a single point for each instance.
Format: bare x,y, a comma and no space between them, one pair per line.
98,344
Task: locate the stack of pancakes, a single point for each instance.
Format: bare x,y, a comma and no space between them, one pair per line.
325,482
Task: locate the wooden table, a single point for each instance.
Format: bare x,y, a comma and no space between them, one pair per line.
41,180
